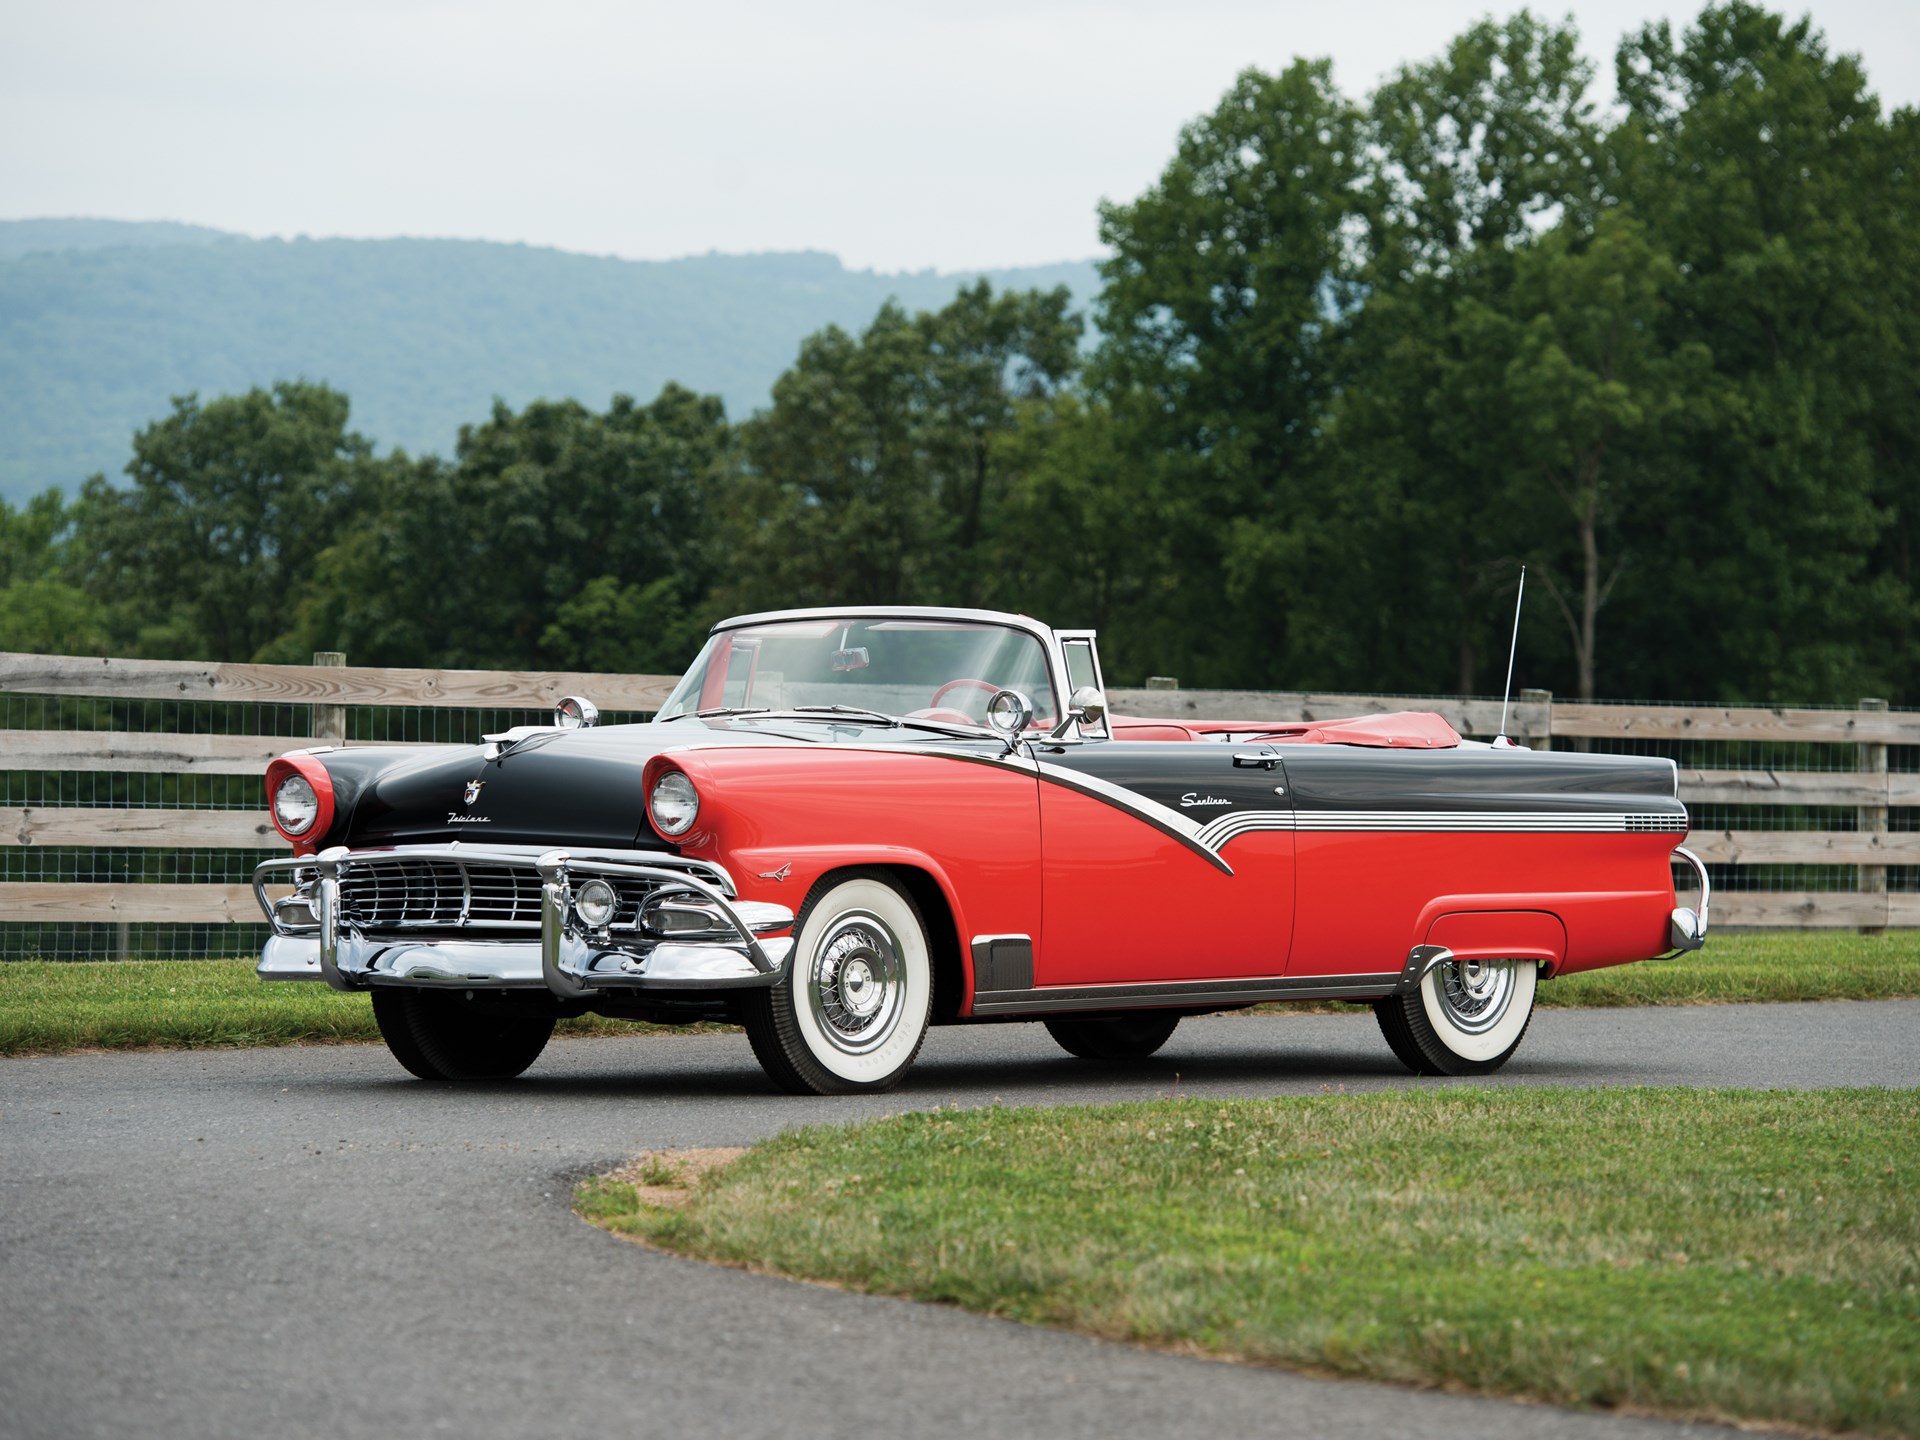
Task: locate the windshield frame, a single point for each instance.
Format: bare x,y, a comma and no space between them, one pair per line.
1045,705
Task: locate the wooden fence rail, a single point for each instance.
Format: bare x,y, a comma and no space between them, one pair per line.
330,687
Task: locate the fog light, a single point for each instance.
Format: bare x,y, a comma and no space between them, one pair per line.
594,904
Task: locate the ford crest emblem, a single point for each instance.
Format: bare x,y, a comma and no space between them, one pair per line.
473,790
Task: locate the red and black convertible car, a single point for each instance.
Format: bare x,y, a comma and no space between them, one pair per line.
847,825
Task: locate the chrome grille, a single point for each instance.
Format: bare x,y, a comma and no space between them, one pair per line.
399,893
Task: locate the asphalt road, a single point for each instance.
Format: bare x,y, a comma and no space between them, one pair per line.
302,1242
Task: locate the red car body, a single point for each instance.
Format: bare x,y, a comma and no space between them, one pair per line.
839,876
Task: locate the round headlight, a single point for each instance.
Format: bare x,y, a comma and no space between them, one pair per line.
594,904
673,804
295,806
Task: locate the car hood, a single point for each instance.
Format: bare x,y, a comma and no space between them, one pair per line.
563,788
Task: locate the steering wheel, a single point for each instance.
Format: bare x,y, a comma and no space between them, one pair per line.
963,683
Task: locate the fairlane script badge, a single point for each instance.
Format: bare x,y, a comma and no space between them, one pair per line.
473,791
1191,801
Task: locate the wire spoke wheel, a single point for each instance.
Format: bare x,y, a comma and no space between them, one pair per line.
1476,994
1466,1017
851,1010
856,984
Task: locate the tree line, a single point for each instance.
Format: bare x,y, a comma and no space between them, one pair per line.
1353,365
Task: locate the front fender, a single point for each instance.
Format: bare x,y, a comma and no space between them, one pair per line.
787,873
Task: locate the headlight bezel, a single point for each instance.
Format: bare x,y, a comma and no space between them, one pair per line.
305,766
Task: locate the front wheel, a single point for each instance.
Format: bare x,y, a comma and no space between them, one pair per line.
1466,1018
447,1036
1114,1038
851,1012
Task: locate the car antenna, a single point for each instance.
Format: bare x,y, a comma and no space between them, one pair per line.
1501,739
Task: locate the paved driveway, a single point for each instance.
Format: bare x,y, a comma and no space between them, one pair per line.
303,1242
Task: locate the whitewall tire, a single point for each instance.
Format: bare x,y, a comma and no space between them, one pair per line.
851,1012
1466,1018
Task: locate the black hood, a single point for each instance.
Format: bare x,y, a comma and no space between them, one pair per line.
581,787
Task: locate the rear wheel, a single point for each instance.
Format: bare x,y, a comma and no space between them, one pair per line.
448,1036
1119,1037
851,1012
1466,1018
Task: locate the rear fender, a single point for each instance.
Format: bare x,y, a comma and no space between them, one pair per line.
1502,935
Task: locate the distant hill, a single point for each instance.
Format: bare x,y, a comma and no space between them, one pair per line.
101,322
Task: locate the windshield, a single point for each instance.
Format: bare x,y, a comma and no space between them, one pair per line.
942,670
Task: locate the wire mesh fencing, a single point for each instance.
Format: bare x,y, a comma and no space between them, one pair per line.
1794,816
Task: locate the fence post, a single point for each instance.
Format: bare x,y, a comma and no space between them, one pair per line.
1873,818
330,721
1541,697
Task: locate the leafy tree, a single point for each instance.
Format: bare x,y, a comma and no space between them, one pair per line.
1761,164
550,523
231,504
40,610
877,475
1594,401
1220,318
1472,156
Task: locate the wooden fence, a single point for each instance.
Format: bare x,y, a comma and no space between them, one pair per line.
1867,788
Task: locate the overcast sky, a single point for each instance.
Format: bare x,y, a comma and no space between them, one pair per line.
897,135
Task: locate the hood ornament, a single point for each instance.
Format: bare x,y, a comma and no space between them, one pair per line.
473,791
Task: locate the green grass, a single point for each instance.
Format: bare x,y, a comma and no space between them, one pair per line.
1737,1254
48,1008
1757,965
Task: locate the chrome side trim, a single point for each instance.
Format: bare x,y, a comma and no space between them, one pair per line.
1168,821
1173,995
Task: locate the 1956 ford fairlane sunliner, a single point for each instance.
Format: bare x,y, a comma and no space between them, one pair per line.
847,825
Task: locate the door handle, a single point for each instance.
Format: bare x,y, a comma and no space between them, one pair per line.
1249,760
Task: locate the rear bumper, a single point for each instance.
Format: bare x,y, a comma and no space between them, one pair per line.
1687,928
569,959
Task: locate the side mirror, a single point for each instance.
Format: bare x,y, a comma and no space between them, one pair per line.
1009,713
1086,706
576,712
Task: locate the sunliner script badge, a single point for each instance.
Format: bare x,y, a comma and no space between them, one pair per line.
1191,801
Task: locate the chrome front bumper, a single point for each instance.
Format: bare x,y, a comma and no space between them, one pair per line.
569,959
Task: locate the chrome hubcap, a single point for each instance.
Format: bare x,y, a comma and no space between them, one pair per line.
1475,994
854,984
